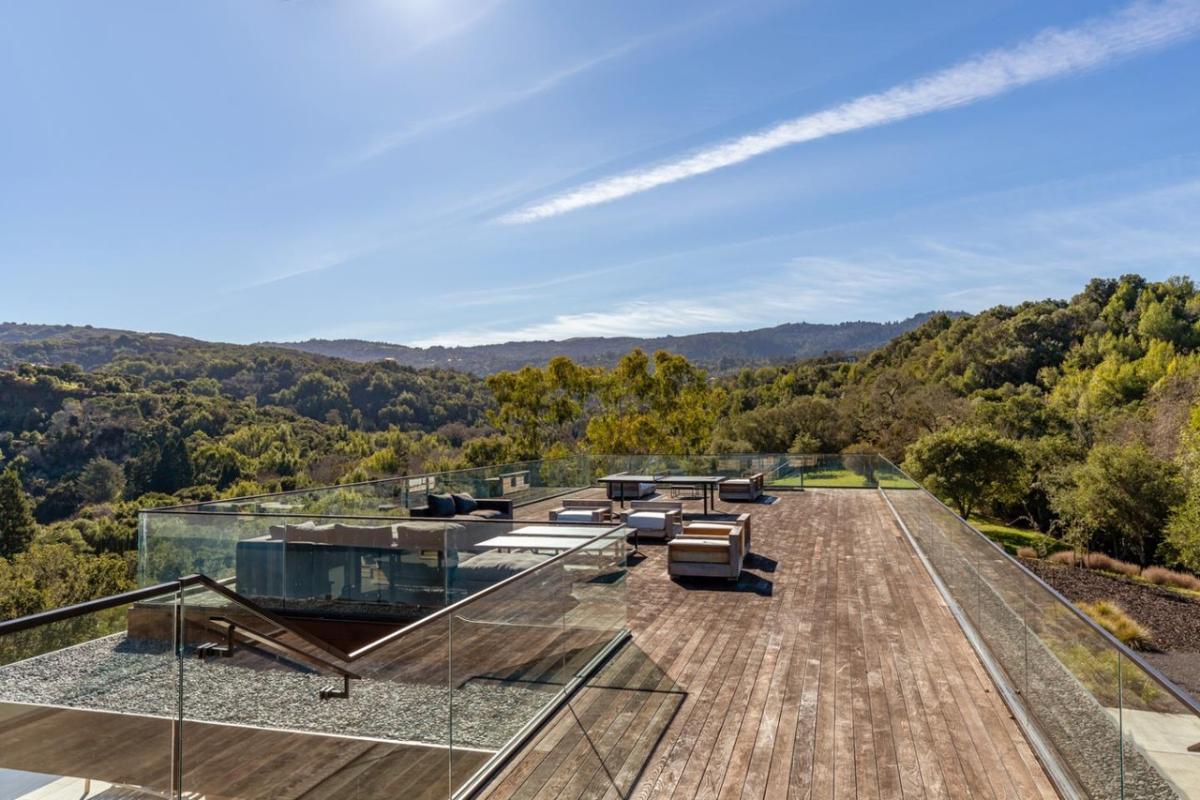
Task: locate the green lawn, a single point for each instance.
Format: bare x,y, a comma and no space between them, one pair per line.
841,479
1011,538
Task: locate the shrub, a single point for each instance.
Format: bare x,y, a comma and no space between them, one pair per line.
1113,619
1026,552
1169,577
1099,561
1065,557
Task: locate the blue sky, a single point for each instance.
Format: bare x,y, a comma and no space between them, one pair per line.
456,172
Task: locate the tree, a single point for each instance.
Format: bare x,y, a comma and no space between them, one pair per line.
967,465
101,481
163,463
315,395
1119,500
17,526
1182,543
664,405
537,407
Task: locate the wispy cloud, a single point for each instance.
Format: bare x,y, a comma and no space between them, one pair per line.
385,144
501,100
633,318
1052,53
1001,251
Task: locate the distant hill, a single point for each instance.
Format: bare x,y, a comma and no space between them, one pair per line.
87,346
718,351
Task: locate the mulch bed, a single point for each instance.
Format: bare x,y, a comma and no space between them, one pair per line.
1173,621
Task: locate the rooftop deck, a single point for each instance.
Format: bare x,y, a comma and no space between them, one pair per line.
832,669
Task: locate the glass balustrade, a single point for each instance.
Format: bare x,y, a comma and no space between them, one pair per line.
371,662
1116,728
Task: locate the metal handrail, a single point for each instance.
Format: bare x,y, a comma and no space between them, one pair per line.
157,590
88,607
234,628
269,616
1162,680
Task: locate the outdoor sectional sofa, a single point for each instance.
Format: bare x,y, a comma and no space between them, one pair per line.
464,506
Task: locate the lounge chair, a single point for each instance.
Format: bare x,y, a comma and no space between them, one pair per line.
710,549
655,519
741,490
582,511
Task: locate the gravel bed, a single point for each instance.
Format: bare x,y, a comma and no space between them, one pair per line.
1172,620
115,674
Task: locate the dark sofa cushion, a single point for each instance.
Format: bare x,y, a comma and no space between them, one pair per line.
464,503
440,505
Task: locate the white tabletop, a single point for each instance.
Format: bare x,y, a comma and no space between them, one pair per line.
549,537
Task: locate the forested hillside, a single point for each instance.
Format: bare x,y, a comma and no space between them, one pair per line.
719,351
1078,418
81,451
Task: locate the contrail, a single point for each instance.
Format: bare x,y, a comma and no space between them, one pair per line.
1052,53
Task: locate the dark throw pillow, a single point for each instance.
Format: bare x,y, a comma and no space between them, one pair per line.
464,503
441,505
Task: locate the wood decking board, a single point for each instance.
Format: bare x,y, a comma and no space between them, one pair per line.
845,676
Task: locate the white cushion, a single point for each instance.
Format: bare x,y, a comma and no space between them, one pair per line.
650,520
576,515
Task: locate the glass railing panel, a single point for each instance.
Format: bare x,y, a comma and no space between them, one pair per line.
172,544
596,606
392,570
516,647
1115,728
1160,733
506,664
1071,688
268,712
889,476
93,698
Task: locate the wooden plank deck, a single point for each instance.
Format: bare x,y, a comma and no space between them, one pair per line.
831,670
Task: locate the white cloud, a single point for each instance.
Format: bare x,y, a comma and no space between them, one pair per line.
1002,252
1050,54
832,288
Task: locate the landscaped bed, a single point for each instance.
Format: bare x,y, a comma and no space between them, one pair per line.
1172,619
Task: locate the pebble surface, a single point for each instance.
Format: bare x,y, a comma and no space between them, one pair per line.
115,674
